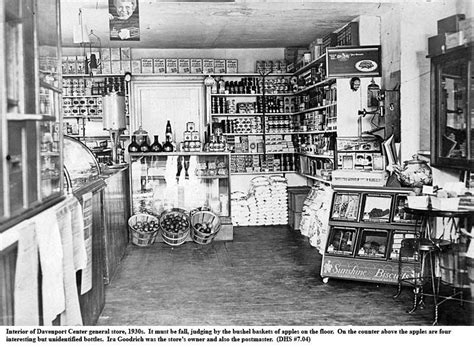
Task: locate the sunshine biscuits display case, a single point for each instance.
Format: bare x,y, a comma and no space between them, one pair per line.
366,229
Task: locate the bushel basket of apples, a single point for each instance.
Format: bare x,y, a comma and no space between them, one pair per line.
143,229
174,224
205,225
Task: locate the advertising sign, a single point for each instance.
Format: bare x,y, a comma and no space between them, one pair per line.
124,20
353,61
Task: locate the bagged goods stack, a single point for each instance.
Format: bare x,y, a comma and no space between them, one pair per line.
279,201
240,209
315,218
259,201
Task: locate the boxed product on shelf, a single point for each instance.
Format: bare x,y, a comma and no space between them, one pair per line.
115,67
115,53
219,66
208,66
105,54
106,67
184,66
159,65
125,66
171,65
147,65
125,54
231,66
136,66
196,66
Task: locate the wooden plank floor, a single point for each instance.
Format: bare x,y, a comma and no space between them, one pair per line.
266,276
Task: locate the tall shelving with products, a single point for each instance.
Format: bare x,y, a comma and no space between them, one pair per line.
31,122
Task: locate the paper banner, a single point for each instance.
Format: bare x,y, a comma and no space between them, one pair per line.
51,258
86,282
72,314
26,277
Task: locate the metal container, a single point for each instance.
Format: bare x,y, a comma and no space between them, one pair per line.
113,107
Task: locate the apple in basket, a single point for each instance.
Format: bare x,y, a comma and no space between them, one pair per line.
145,226
174,223
205,228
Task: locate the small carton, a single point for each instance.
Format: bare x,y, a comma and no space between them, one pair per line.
196,66
219,66
115,67
159,65
125,66
106,67
125,53
184,66
105,54
80,65
115,53
136,66
171,65
147,65
208,66
231,66
64,66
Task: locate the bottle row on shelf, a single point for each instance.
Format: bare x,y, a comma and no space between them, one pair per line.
263,163
73,87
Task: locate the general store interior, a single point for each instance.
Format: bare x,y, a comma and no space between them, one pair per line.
280,192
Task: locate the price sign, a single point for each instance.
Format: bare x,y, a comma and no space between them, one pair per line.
353,61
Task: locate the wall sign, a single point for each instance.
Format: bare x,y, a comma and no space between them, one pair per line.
124,20
353,61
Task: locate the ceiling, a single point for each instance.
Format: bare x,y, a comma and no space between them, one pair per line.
223,24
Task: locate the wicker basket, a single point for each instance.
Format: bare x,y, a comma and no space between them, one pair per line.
200,217
171,236
139,237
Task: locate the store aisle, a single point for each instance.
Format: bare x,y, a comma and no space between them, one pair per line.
266,276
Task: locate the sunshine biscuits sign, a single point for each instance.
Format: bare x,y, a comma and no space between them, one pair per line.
354,61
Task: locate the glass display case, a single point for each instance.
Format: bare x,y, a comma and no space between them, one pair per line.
80,165
30,116
161,181
452,115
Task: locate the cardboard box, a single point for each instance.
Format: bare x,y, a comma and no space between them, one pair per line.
159,65
115,53
136,66
231,66
467,27
71,65
196,66
80,65
454,40
359,178
171,65
437,45
450,24
105,54
115,67
106,67
125,66
208,66
184,66
125,53
219,66
147,65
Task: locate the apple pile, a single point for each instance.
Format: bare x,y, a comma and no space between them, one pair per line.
204,228
174,222
146,226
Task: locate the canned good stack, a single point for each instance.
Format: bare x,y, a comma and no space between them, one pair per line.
267,66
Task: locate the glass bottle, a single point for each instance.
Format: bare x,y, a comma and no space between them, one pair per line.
145,147
133,147
156,146
168,132
168,146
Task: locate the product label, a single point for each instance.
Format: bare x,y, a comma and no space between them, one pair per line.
147,65
368,270
196,66
125,53
171,65
219,66
136,66
231,66
115,53
184,65
208,66
159,65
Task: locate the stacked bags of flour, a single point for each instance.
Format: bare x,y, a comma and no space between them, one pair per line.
239,208
260,196
315,217
279,200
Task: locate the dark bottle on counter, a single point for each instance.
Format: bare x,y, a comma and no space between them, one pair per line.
133,147
156,146
145,147
168,146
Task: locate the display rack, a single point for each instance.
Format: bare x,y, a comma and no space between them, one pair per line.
366,227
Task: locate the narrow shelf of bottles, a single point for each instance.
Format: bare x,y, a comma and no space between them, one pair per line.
311,64
263,173
177,153
315,108
318,84
317,156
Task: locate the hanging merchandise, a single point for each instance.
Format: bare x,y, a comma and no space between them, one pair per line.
373,94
